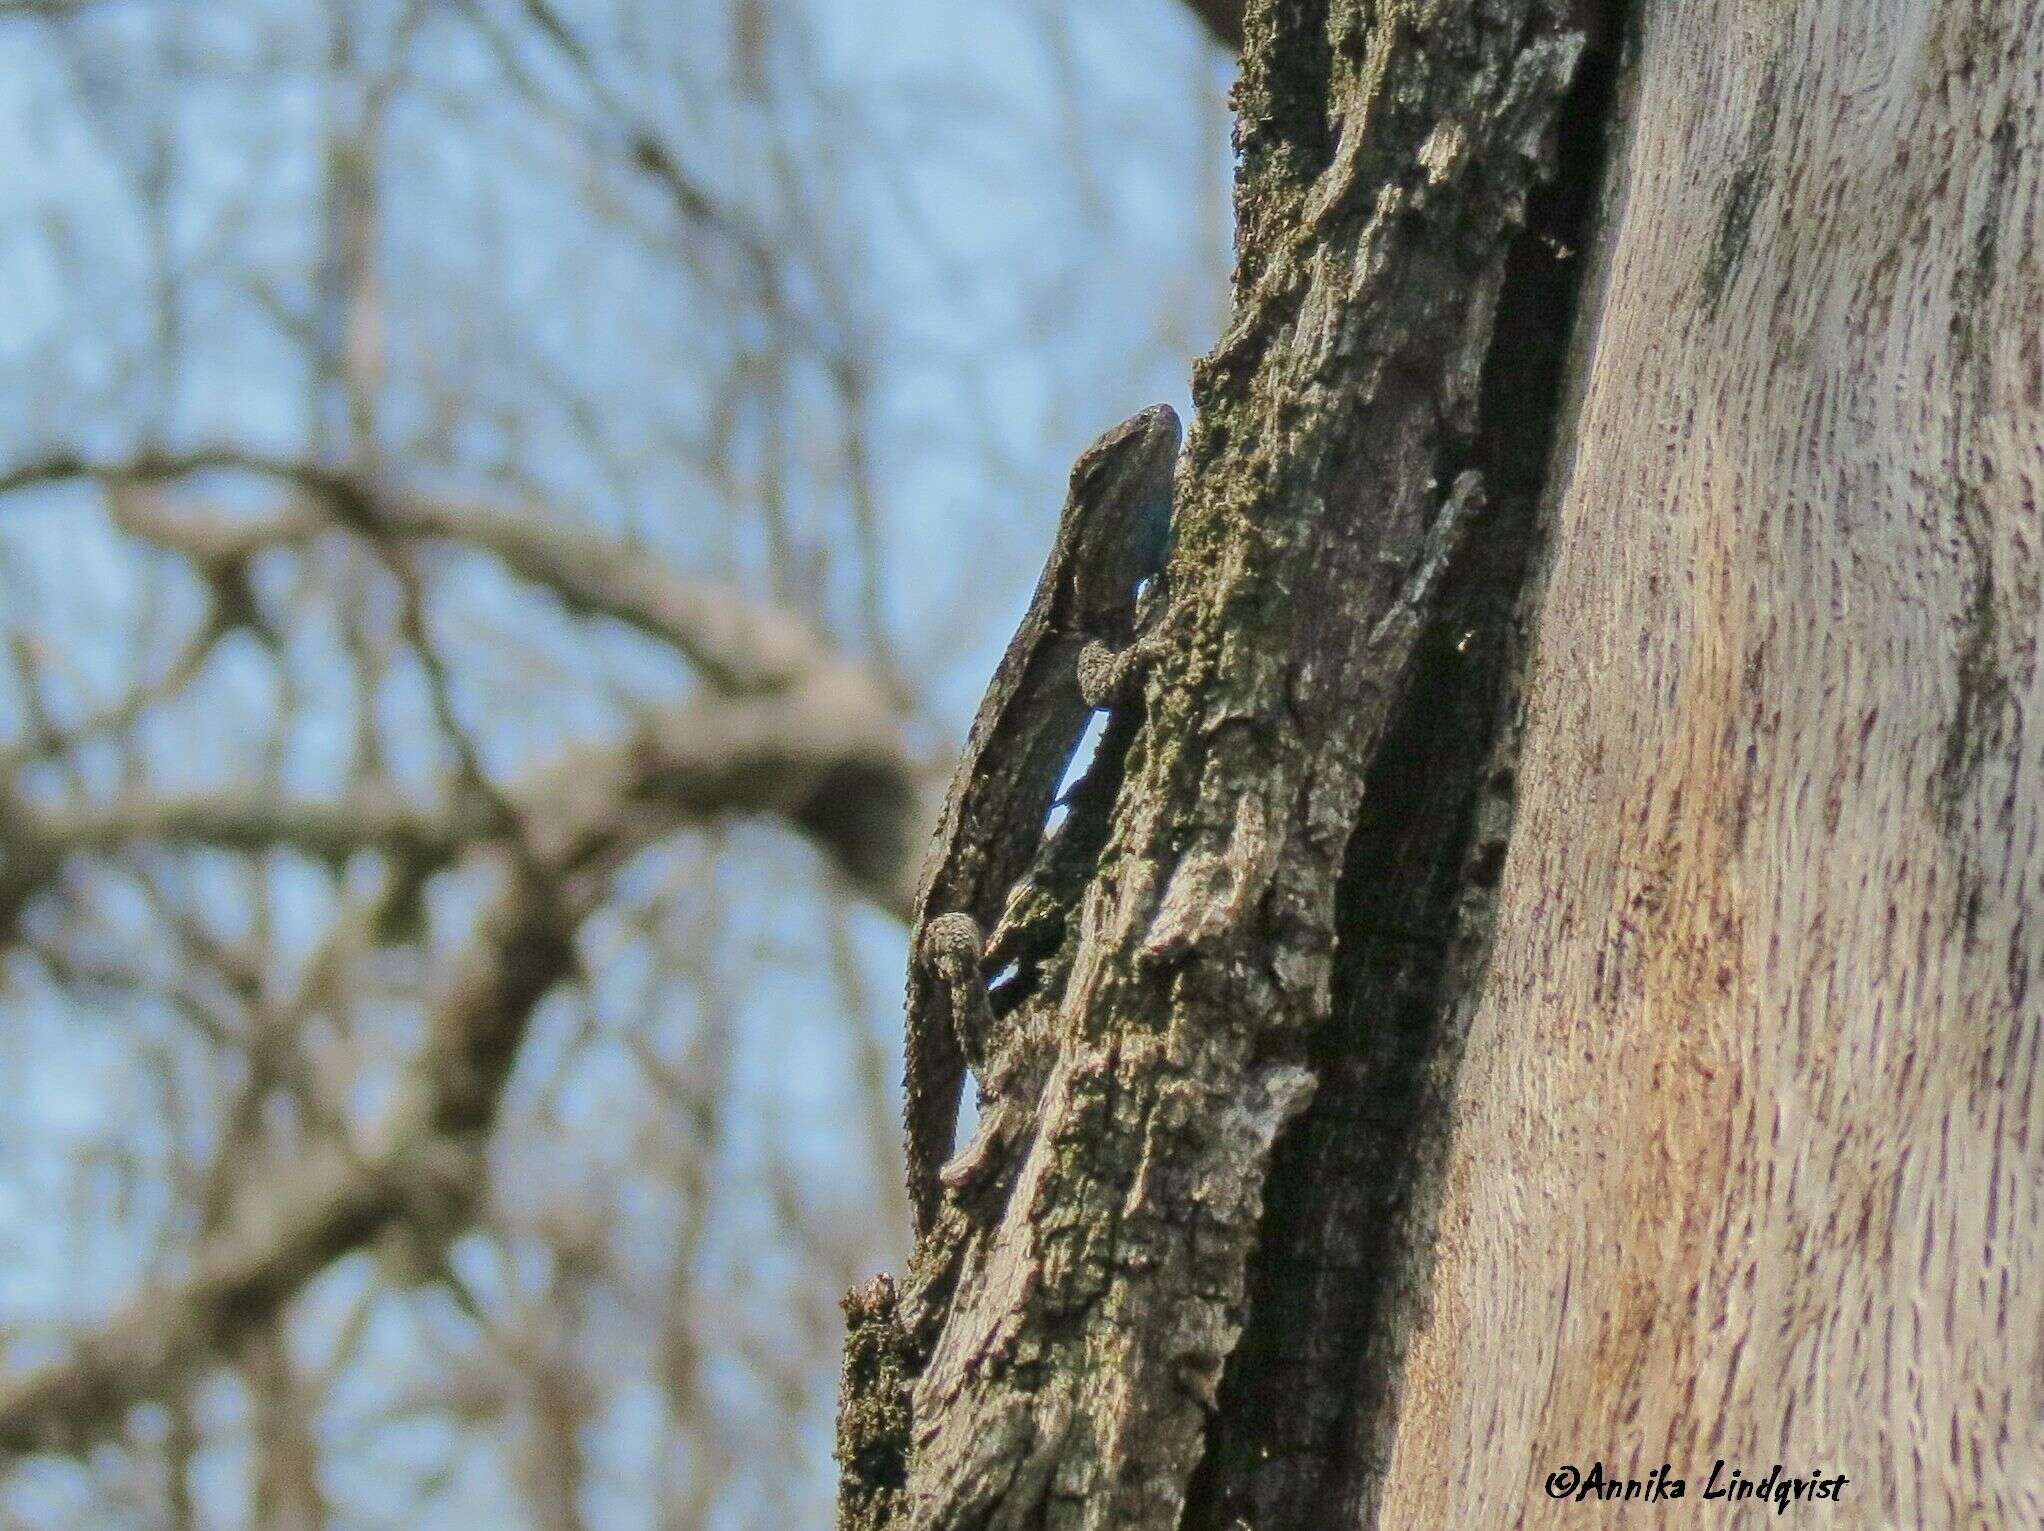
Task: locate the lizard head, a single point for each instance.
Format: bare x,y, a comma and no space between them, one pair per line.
1119,504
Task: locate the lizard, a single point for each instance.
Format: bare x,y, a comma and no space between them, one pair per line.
1112,536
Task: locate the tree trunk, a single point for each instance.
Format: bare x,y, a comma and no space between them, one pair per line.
1412,1113
1748,1147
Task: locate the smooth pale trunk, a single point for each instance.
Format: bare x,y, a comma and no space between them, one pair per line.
1749,1142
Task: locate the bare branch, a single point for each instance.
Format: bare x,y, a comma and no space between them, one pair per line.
329,1206
739,645
643,151
826,757
426,1167
246,819
813,755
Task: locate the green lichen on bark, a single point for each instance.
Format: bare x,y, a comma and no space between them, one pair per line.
873,1410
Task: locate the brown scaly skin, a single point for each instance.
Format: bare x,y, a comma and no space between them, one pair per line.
1111,537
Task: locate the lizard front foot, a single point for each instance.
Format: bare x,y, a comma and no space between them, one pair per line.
1110,677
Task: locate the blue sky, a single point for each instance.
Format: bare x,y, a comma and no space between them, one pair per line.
1023,209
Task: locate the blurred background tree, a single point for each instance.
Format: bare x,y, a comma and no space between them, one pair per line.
508,506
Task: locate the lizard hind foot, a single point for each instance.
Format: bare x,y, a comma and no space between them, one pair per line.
951,949
951,944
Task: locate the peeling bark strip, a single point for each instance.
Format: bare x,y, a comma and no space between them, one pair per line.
1069,1320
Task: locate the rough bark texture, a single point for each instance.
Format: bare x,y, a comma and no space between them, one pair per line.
1309,1400
1748,1147
1066,1327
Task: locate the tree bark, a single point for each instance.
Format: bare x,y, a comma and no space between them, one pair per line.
1396,1135
1056,1354
1222,18
1748,1150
